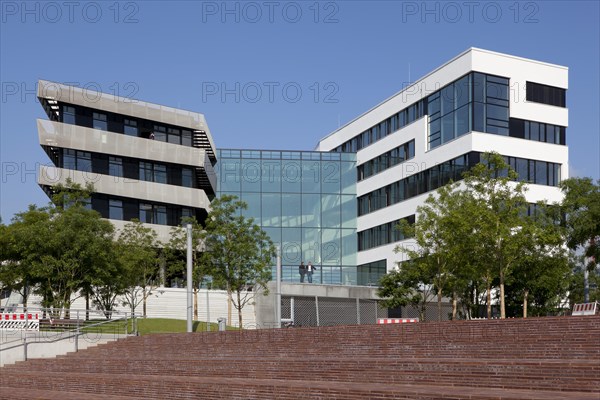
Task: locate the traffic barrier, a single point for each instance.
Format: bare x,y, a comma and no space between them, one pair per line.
396,320
19,321
585,309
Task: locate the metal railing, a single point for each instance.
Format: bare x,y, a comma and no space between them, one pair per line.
55,325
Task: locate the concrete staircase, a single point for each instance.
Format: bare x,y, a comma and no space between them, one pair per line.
538,358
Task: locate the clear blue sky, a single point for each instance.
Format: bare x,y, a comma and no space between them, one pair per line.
343,56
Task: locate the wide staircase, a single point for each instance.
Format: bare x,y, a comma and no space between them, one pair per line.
537,358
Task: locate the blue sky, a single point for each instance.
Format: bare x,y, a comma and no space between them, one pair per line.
273,74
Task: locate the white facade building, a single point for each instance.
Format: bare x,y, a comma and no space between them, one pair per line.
427,133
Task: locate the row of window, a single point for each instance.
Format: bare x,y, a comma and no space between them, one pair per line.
128,168
129,126
382,234
387,160
475,102
534,171
285,155
546,94
419,183
390,125
530,171
538,131
126,209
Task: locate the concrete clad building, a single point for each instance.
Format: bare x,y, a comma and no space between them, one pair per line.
146,161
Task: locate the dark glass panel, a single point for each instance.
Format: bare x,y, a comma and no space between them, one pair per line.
462,120
447,127
478,117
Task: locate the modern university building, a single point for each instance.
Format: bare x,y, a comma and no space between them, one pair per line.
336,206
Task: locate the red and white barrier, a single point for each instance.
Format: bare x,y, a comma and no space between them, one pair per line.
585,309
396,320
19,321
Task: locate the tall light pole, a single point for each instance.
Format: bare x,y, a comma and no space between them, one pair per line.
278,290
189,277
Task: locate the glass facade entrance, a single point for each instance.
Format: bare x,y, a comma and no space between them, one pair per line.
304,200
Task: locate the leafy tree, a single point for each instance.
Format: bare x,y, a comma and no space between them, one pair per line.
56,249
238,253
576,282
442,233
21,243
501,214
137,252
581,206
79,247
542,272
478,232
409,285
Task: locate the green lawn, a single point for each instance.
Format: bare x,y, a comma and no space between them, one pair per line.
165,325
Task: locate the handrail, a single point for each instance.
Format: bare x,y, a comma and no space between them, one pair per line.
75,332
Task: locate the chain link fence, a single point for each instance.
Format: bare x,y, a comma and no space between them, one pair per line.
328,311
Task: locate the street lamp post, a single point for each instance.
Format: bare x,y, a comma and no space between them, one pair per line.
278,290
189,277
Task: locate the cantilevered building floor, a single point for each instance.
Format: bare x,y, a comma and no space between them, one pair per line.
146,161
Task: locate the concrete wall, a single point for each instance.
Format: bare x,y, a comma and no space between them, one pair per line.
172,303
265,305
46,344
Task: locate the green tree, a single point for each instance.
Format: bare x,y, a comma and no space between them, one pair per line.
22,244
408,285
442,233
500,215
79,246
581,206
56,249
137,253
478,232
238,253
542,273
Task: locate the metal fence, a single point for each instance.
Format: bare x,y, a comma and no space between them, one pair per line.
328,311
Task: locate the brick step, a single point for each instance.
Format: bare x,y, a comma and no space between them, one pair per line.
174,387
16,393
540,374
542,350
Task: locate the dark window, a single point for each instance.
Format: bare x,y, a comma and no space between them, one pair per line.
115,209
187,177
68,115
186,138
174,136
130,127
146,171
69,159
78,160
115,166
160,215
100,121
153,214
545,94
160,173
160,133
538,131
146,214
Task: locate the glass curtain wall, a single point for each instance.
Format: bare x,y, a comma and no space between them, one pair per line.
305,201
